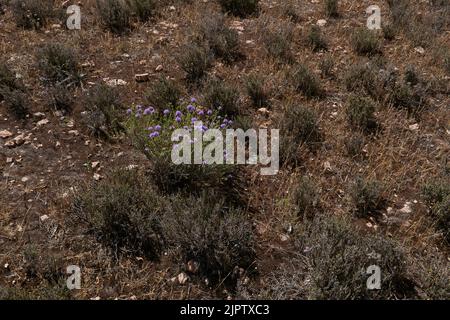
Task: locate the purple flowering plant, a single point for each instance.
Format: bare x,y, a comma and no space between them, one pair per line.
151,129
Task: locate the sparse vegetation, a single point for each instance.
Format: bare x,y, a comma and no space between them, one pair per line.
360,113
144,9
241,8
316,40
305,81
221,96
195,61
255,86
32,14
277,37
331,8
223,41
437,196
164,93
365,42
367,198
59,64
334,263
104,106
116,14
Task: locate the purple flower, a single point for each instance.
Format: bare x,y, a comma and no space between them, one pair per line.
178,113
209,112
193,100
166,112
223,126
204,128
190,108
154,134
139,107
129,111
200,112
193,120
150,128
178,119
157,127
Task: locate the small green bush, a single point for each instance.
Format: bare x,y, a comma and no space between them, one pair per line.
316,40
218,240
305,81
62,99
365,42
298,125
164,93
223,41
221,96
334,265
124,213
326,66
17,102
241,8
144,9
437,196
115,15
360,113
331,8
59,64
277,37
355,144
104,106
32,14
257,91
195,61
306,198
367,198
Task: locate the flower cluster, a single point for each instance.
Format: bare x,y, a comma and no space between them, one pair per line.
155,127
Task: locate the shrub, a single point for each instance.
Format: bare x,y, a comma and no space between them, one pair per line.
367,198
8,80
447,63
32,14
124,213
115,15
103,105
218,240
355,145
360,113
255,86
290,9
164,93
315,39
17,102
363,77
59,64
151,132
222,97
334,263
389,32
365,42
62,99
195,61
144,9
299,125
404,97
241,8
223,41
326,66
305,198
305,81
401,12
437,196
277,38
331,8
411,76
